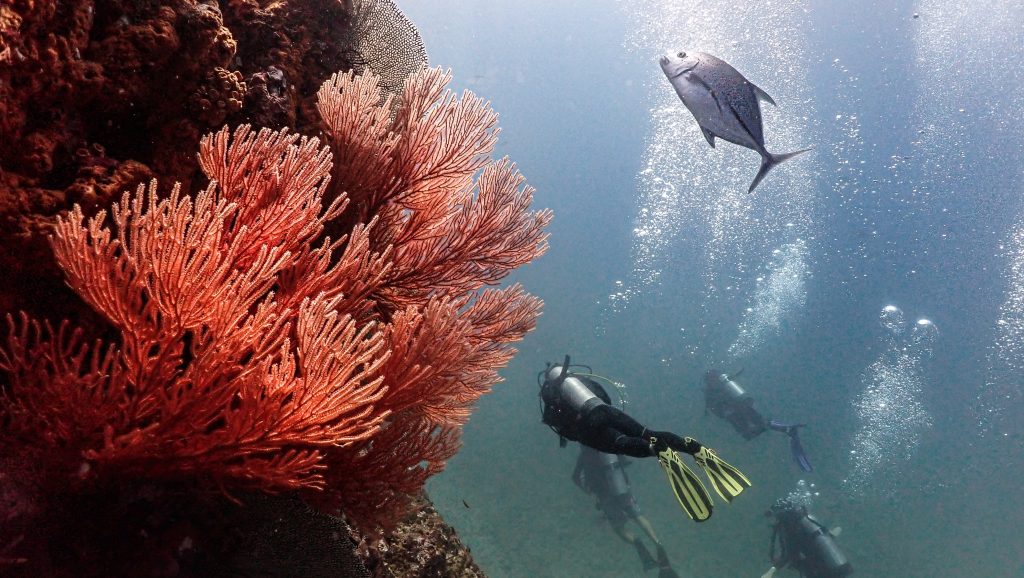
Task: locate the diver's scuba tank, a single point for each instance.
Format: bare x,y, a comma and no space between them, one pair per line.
823,549
728,400
566,399
730,392
575,393
565,389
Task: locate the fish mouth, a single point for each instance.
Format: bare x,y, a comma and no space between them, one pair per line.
680,72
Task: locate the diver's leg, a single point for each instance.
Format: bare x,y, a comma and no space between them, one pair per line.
631,509
634,447
609,430
634,437
786,428
680,444
617,516
623,532
631,429
645,525
621,434
620,420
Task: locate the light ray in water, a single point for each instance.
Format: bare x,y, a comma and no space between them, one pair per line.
1000,405
968,56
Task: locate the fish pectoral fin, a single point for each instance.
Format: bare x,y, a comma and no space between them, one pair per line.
710,136
762,94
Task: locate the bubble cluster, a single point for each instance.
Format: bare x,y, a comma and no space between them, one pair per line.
803,495
889,409
953,112
892,319
922,338
777,298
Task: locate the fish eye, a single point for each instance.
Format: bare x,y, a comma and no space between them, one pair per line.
681,55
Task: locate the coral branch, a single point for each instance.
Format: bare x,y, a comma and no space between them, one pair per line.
417,172
252,351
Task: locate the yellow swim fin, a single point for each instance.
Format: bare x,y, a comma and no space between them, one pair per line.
690,492
727,480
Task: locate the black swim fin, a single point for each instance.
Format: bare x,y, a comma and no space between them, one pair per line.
797,450
665,569
645,556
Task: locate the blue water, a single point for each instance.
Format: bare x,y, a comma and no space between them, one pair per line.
661,266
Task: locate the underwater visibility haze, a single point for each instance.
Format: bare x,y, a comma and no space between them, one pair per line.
870,288
629,287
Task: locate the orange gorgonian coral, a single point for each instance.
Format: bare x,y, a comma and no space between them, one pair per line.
253,350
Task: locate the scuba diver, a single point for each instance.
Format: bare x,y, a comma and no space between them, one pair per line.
604,476
804,544
727,400
573,409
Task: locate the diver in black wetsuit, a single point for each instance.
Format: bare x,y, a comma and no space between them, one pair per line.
574,410
728,400
804,544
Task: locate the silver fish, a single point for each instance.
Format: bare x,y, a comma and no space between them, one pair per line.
725,104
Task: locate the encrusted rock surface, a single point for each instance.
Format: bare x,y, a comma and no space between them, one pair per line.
423,546
96,97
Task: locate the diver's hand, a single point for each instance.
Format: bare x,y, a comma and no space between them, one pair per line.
769,573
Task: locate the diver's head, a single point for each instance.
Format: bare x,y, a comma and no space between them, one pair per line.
786,509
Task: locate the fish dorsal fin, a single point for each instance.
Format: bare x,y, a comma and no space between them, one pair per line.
708,135
762,94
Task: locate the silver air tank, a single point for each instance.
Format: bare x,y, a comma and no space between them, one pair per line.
573,391
730,388
576,393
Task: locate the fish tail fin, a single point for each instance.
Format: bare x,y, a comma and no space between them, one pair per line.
768,162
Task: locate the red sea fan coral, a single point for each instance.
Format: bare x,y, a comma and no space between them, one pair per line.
211,375
453,222
253,351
